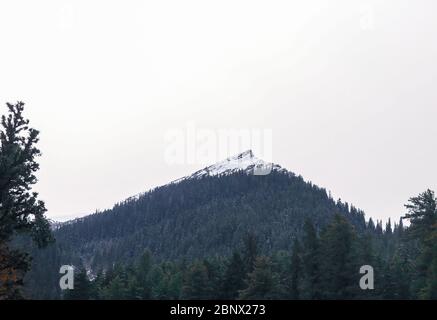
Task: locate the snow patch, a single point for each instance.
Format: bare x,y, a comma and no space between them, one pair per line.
245,161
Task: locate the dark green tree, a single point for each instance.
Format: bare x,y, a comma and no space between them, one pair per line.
234,277
295,271
388,228
422,213
262,283
396,279
196,283
166,280
250,251
311,262
215,277
430,290
96,286
117,289
142,286
82,287
20,210
338,267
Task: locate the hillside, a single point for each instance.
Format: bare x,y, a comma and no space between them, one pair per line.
203,215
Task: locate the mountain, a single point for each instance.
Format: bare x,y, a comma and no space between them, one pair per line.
202,215
245,162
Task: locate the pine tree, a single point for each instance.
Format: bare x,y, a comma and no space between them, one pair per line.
379,229
215,278
234,277
142,287
97,285
116,290
134,289
399,231
430,290
82,287
396,279
250,251
388,228
196,283
371,225
364,253
263,283
20,210
422,213
166,280
295,271
13,264
339,277
311,262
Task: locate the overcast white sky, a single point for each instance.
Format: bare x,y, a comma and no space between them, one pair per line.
348,89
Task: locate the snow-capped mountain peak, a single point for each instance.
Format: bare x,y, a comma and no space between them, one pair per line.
244,161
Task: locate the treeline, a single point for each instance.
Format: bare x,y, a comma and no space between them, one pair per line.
323,264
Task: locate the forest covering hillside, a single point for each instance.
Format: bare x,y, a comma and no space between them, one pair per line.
207,218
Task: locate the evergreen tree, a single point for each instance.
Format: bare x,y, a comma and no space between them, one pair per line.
339,274
196,283
396,279
399,230
214,276
422,213
117,289
96,286
167,281
263,283
20,210
295,271
378,229
364,253
82,287
250,251
371,225
141,286
233,281
388,228
311,262
430,290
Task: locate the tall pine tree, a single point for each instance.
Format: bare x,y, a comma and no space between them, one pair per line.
20,210
234,277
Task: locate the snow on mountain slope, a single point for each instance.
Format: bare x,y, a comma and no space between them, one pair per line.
245,161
